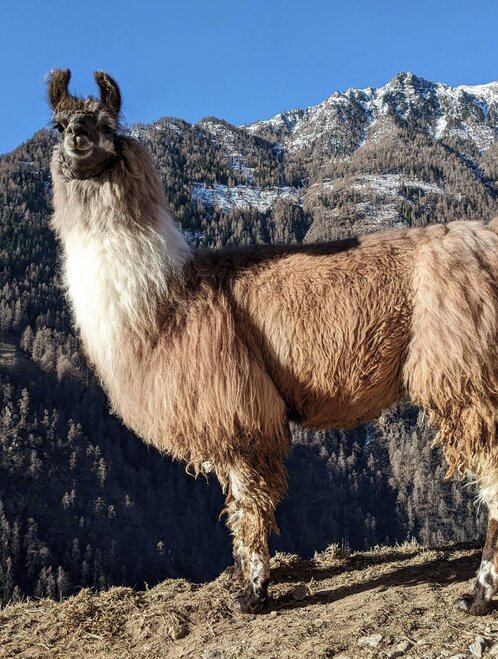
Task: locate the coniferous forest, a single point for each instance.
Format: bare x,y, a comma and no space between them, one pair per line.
83,502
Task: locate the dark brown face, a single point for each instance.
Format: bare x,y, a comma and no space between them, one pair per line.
88,126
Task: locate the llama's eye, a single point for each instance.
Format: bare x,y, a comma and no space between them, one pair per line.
59,127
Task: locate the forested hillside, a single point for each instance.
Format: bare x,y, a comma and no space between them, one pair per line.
85,503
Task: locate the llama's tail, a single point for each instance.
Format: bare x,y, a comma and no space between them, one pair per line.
452,363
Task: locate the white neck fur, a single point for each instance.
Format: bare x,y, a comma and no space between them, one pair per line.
116,277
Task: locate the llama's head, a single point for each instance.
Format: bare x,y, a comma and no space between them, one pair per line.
88,126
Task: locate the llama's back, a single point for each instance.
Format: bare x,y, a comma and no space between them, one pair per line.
452,363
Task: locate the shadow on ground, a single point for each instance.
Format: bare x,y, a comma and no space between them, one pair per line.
441,571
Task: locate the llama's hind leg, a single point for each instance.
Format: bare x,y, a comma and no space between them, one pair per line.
478,602
256,488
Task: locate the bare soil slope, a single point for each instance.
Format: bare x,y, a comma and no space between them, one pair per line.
319,608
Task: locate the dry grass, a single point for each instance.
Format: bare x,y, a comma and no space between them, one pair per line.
319,608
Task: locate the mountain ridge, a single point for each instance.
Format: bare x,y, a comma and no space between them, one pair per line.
376,101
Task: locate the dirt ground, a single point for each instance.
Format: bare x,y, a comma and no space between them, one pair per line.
320,608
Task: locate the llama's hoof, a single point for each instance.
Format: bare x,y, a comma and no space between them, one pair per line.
473,605
248,601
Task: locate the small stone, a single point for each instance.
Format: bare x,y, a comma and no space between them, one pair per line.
300,592
478,646
371,641
458,656
404,646
213,653
399,649
493,652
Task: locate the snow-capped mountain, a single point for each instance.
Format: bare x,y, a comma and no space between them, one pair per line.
345,120
410,152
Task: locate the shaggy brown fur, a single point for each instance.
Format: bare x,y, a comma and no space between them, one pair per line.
207,355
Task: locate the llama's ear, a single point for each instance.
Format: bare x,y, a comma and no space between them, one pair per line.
110,96
58,81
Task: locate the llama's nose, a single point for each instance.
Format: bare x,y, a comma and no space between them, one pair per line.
77,127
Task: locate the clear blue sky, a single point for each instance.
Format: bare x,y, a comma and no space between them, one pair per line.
240,60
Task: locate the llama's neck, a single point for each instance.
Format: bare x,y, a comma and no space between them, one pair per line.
118,268
116,282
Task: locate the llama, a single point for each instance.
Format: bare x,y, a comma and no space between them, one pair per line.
207,355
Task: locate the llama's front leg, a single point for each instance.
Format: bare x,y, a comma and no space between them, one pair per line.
235,571
255,492
478,602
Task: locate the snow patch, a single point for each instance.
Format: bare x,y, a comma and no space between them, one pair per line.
441,126
242,196
391,184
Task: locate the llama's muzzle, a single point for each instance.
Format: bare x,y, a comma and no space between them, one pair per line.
77,136
82,142
78,144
